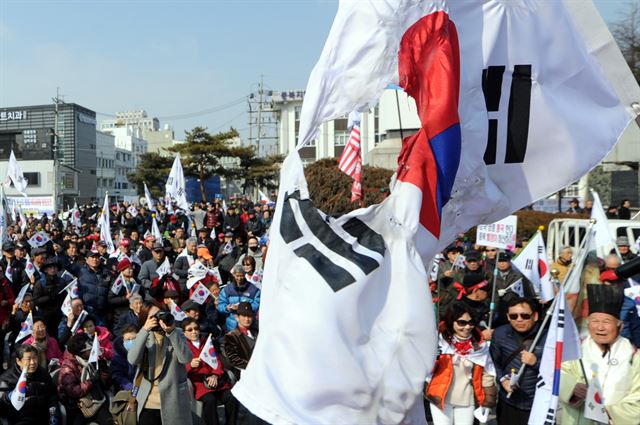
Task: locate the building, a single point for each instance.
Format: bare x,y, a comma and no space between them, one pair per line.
29,131
128,146
379,125
106,164
149,128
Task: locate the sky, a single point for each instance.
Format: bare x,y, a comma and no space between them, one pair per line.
174,59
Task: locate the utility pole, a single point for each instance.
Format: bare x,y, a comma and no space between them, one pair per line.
56,101
260,97
261,114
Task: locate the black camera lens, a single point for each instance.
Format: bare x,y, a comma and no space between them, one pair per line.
165,317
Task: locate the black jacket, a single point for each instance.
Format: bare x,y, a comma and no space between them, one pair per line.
41,395
506,351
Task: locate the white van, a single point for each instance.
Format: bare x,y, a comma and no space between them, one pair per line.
570,232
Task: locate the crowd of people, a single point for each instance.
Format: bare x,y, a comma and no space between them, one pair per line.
162,327
166,322
482,350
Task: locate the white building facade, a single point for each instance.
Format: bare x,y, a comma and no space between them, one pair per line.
106,164
379,127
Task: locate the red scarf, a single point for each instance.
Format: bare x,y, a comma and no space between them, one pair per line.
463,347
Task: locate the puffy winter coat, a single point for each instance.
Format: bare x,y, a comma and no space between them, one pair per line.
506,346
231,294
93,288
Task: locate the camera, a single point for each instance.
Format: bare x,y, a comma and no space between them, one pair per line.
165,317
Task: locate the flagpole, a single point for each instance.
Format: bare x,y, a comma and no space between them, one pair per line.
492,306
583,246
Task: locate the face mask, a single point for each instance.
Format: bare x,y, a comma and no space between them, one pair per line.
128,344
253,248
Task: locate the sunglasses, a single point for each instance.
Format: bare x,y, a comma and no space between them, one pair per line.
192,329
490,250
523,316
463,323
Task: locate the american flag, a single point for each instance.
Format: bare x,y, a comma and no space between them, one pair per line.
351,159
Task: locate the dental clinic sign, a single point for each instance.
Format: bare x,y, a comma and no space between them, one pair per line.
13,115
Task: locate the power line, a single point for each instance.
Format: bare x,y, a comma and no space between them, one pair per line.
235,102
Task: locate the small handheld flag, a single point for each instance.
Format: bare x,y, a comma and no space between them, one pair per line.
208,354
176,311
95,350
200,293
19,394
26,328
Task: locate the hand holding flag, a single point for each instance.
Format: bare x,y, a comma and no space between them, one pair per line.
19,393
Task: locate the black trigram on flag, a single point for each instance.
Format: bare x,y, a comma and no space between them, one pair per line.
301,223
561,318
551,417
539,382
529,264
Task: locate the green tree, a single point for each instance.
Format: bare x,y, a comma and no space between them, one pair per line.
202,153
626,31
330,189
254,171
153,170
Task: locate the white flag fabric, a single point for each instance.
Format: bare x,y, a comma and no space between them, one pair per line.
79,320
131,209
529,76
208,354
155,230
164,268
117,284
71,288
602,236
65,308
26,328
517,288
39,239
23,218
264,198
9,273
105,226
594,407
176,311
562,344
151,205
30,269
15,175
215,272
459,261
75,216
19,393
21,294
94,355
573,280
196,273
532,263
175,187
200,293
373,258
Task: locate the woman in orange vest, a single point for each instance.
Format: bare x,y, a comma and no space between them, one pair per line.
462,384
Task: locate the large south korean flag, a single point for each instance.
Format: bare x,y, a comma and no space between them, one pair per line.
516,99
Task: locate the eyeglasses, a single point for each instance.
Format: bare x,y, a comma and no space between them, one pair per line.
523,316
490,250
463,323
191,329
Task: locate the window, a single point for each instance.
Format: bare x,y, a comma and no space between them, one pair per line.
341,138
33,179
68,181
